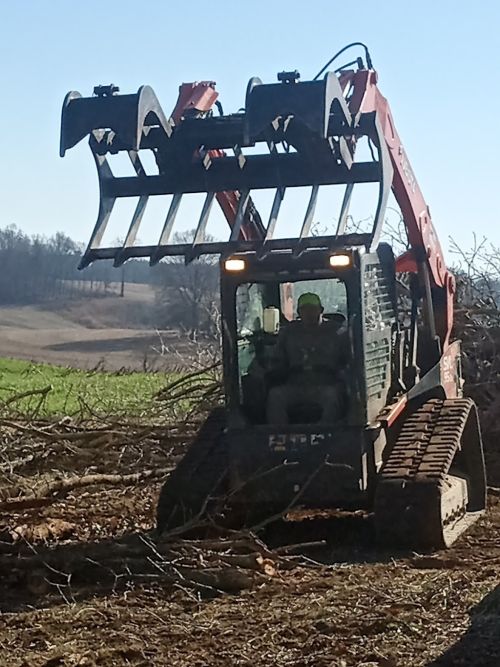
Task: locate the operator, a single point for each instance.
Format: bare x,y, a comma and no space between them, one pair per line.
309,355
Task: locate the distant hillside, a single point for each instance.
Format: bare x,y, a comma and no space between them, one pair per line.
111,332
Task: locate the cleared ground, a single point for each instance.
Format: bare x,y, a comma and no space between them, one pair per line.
83,582
109,332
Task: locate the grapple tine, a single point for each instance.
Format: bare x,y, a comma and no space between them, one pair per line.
386,171
106,205
308,220
273,219
344,210
138,213
132,232
240,215
199,236
167,228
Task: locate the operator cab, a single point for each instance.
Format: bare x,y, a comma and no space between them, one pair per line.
259,309
264,312
259,305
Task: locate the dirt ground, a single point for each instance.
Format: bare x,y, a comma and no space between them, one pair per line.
110,332
84,582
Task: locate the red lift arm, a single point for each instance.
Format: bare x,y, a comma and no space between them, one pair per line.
198,99
425,256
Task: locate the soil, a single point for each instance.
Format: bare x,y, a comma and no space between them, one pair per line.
83,581
110,332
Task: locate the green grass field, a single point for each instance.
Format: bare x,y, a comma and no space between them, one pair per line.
34,389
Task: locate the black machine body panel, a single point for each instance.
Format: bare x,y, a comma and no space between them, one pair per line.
273,461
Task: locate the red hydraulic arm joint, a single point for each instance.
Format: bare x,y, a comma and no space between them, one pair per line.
425,255
198,99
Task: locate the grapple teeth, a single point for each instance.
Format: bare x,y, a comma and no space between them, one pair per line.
196,151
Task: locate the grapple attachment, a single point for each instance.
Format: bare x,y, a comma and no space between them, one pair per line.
307,134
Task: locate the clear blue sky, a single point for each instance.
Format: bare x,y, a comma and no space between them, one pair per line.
438,63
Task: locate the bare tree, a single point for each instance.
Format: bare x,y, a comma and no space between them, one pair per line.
188,295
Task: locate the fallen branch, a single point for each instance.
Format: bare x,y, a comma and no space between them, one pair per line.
27,394
21,461
51,491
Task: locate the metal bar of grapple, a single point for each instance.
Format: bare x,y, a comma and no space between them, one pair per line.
138,213
224,248
273,216
344,211
308,220
260,172
273,219
240,215
166,232
106,205
199,235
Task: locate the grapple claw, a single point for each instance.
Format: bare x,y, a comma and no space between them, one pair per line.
121,121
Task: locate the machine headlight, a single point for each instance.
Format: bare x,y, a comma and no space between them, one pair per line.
340,260
234,265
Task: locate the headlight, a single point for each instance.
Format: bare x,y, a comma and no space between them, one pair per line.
234,265
340,260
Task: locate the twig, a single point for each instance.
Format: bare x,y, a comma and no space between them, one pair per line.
26,394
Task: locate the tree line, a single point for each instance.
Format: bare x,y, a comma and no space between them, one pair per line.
37,268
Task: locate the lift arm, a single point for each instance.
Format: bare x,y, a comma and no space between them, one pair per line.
197,100
425,256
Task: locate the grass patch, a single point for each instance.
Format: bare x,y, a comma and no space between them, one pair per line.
76,392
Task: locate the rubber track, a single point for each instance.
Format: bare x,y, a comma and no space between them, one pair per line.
196,477
408,496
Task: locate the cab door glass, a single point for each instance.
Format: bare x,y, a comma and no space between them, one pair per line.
249,321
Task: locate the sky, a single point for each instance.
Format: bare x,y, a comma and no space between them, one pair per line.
438,63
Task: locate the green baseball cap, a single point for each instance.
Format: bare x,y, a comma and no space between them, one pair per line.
309,299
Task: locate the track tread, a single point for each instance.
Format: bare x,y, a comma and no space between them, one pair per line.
408,496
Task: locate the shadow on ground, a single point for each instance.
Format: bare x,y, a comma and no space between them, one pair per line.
480,645
97,345
43,576
342,538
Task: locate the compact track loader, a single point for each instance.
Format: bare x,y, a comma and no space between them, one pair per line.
406,445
